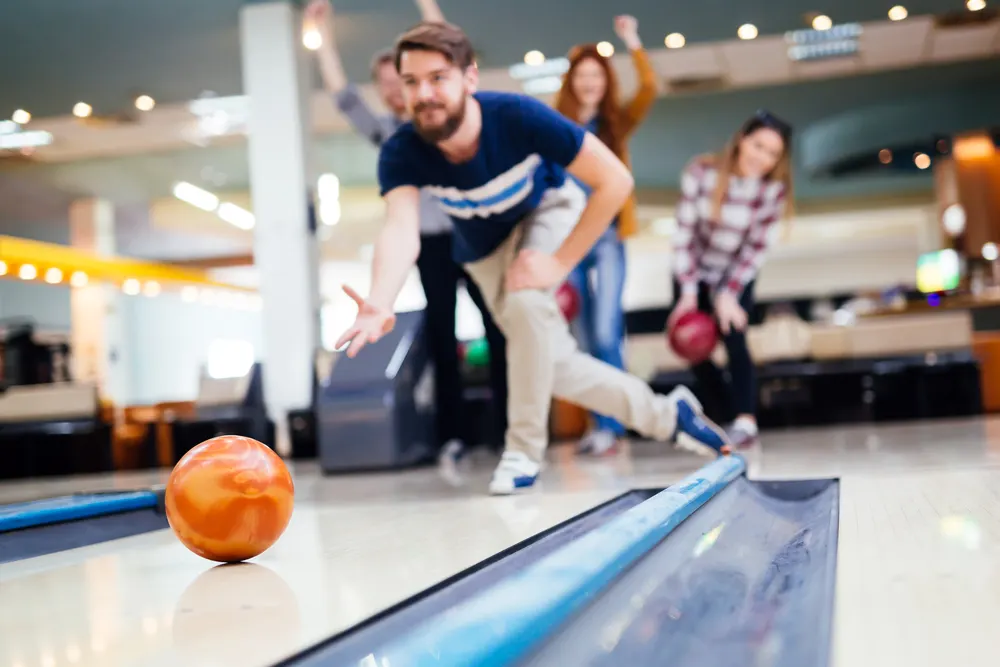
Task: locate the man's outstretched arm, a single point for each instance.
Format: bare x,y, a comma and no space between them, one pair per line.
397,246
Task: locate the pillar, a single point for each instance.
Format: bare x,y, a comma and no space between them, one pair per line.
970,177
275,79
97,336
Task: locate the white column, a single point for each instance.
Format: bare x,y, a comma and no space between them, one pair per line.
275,78
97,337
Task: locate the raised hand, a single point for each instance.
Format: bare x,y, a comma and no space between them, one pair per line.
318,16
627,29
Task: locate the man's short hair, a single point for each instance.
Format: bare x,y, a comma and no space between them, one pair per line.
380,59
440,37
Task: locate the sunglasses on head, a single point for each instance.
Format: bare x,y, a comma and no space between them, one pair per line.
764,118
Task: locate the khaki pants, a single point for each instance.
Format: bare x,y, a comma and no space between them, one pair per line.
542,356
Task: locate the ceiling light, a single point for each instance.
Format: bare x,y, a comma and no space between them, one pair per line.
898,13
747,31
329,212
328,187
674,40
3,268
27,272
534,58
922,160
953,219
606,49
131,286
975,5
145,103
152,288
24,140
195,196
542,85
82,109
990,252
885,156
311,39
236,216
53,276
78,279
822,22
21,117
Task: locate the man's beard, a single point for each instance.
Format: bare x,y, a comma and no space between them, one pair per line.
444,131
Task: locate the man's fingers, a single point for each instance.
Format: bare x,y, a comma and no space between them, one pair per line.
354,295
356,345
347,337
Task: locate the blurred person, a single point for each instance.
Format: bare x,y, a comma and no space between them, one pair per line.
589,96
497,164
440,275
726,219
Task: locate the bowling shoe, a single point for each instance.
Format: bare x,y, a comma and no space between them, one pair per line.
695,432
743,434
516,471
598,443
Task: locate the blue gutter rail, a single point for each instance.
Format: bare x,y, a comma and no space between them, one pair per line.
71,508
501,625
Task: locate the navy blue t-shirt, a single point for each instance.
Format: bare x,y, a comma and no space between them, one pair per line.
523,151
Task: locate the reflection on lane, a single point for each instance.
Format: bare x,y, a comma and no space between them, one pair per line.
747,580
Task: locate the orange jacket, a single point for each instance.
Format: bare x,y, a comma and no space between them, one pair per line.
632,116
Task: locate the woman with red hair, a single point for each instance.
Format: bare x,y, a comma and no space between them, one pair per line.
589,96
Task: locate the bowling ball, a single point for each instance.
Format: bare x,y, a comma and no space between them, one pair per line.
694,336
569,301
477,353
229,499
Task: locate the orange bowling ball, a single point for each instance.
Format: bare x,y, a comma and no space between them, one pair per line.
229,499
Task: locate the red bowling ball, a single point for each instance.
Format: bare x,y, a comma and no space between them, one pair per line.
694,336
569,301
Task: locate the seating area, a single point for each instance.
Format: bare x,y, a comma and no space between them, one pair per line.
889,367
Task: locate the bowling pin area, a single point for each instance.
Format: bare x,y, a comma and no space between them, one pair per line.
918,531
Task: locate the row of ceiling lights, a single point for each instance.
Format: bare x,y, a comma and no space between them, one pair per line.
747,31
133,287
328,194
921,160
53,276
675,40
84,110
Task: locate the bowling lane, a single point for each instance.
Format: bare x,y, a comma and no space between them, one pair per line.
147,600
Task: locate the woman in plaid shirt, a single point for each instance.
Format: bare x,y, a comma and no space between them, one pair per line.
726,219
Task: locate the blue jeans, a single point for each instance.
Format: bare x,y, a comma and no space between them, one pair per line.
601,311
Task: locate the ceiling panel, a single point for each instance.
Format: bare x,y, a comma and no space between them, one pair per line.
958,43
889,44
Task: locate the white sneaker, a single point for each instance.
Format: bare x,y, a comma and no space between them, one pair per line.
598,443
516,471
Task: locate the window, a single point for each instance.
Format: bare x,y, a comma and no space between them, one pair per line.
229,358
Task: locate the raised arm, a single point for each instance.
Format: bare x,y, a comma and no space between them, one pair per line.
318,16
627,29
429,11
